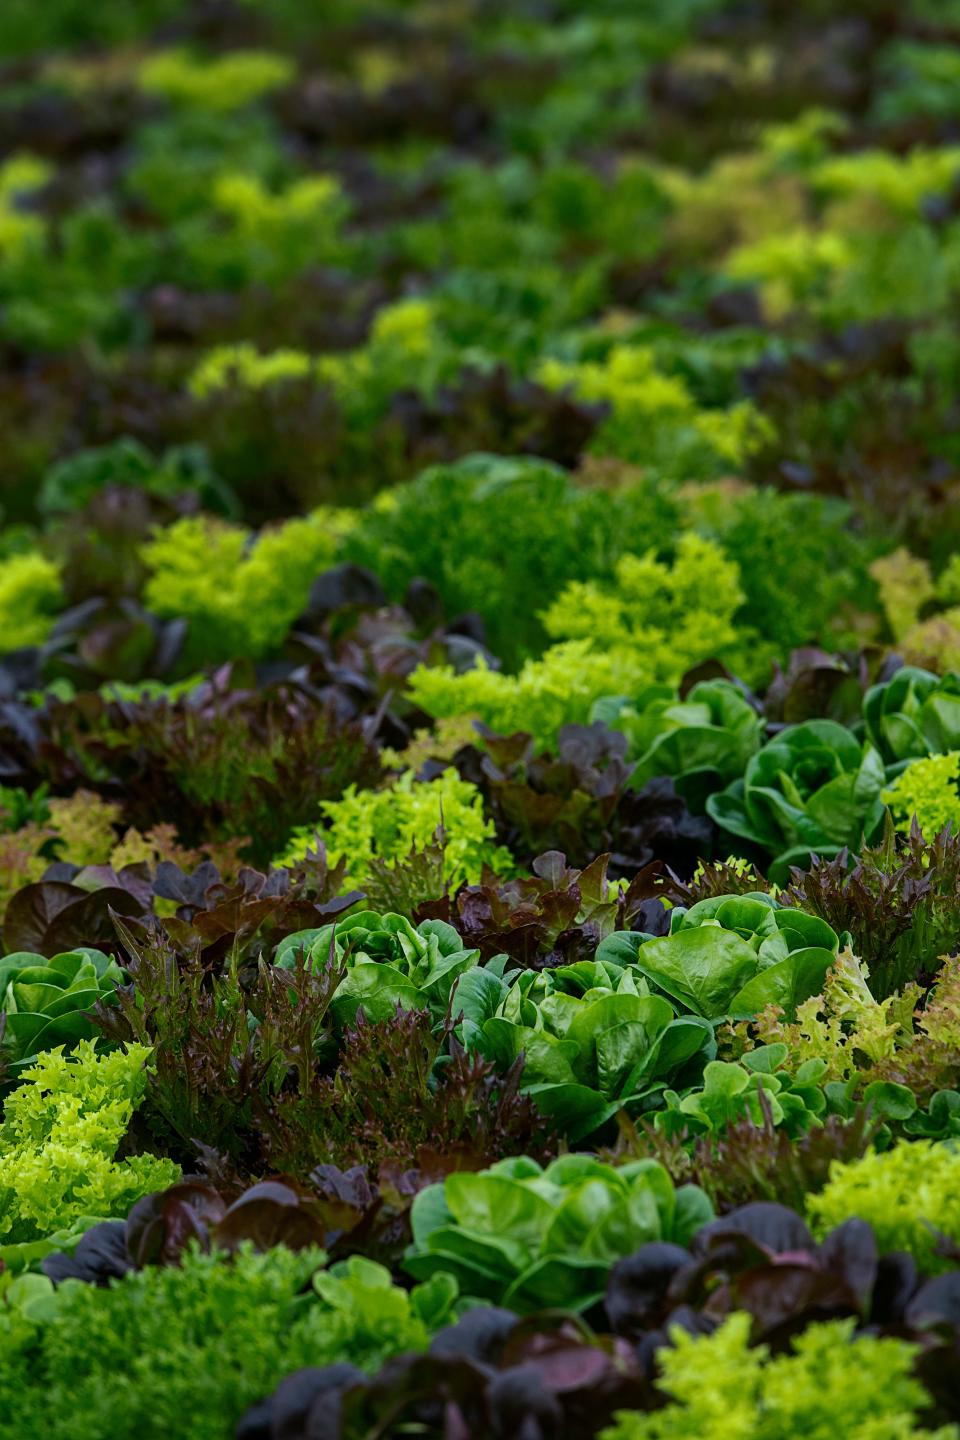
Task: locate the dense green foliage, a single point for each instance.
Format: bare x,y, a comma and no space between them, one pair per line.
719,1386
479,719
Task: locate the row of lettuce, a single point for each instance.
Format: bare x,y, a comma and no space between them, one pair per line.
333,264
776,792
479,720
282,1073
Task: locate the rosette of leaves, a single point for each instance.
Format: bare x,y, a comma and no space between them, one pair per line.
702,740
45,1002
532,1239
912,715
388,962
732,955
812,790
793,1099
593,1038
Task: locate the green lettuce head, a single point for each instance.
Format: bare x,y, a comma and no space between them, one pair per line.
812,790
913,715
732,955
387,962
703,741
534,1239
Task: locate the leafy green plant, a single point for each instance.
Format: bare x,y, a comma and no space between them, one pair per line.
531,1239
182,470
814,597
365,826
231,1329
732,955
720,1386
909,1194
43,1002
239,597
792,1098
593,1040
912,715
926,1062
388,962
654,418
927,794
918,79
30,595
652,624
703,741
844,1027
561,531
813,789
218,83
61,1129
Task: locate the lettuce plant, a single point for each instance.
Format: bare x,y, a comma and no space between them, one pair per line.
703,741
238,596
44,1001
927,1062
531,1239
813,789
912,715
364,826
655,419
785,606
926,795
722,1388
71,484
791,1098
449,1110
388,963
594,1041
61,1129
732,955
909,1194
30,595
251,234
217,83
561,531
230,1329
898,902
843,1026
653,623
